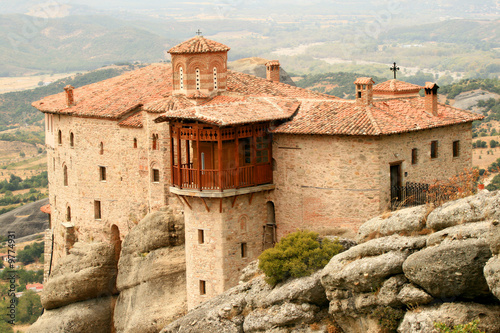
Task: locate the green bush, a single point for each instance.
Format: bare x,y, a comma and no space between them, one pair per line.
465,328
296,255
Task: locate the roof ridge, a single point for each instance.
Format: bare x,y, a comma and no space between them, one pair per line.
372,120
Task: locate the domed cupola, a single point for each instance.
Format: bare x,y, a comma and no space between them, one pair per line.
199,67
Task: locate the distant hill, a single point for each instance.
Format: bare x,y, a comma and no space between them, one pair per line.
15,107
257,66
25,220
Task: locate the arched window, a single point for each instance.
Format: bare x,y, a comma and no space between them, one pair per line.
197,79
135,142
71,139
215,78
65,172
181,78
59,137
68,214
155,141
101,148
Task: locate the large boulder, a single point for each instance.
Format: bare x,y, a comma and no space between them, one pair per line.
403,221
89,271
95,315
475,208
262,320
494,237
152,274
478,230
422,319
450,269
492,275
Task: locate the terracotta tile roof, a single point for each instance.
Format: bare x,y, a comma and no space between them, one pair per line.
364,80
430,85
396,86
387,117
134,120
172,102
222,99
198,44
115,97
251,110
273,63
255,86
45,209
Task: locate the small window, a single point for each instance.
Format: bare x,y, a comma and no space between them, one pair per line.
65,173
71,140
156,175
197,79
434,149
414,156
215,78
135,142
359,94
203,287
243,250
101,148
102,173
68,214
201,236
155,142
97,209
456,148
59,137
181,78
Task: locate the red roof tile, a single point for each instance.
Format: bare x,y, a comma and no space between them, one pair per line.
45,209
364,80
251,110
134,120
198,44
387,117
396,86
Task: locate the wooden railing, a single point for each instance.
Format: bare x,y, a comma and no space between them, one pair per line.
209,179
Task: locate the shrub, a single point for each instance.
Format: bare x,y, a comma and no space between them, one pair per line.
465,328
296,255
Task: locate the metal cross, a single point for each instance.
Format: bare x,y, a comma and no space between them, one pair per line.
198,32
394,68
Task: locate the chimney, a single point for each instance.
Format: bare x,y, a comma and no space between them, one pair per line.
273,70
431,98
70,100
364,90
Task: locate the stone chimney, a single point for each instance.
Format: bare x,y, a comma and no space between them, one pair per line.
273,70
70,100
364,90
431,98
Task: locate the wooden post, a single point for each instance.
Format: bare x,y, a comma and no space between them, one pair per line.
253,149
270,154
179,157
219,144
237,159
188,157
171,156
198,153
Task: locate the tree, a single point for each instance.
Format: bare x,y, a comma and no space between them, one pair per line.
29,307
296,255
494,144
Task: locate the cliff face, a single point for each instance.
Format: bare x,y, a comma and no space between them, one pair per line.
410,269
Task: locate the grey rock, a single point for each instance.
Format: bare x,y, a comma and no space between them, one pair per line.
301,290
450,269
25,220
475,208
402,221
492,275
251,271
363,275
460,232
422,320
413,296
494,237
279,316
94,316
89,271
388,294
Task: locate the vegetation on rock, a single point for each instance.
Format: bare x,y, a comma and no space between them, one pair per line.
466,328
296,255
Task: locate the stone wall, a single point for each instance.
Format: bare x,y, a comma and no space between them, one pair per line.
332,184
218,260
126,194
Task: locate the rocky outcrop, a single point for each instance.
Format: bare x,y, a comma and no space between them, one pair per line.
89,271
95,315
152,274
492,267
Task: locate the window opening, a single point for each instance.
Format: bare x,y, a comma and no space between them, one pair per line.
71,139
243,250
156,175
135,142
68,214
59,137
434,149
65,172
215,77
97,209
102,173
181,78
203,287
456,148
197,79
414,156
201,236
101,148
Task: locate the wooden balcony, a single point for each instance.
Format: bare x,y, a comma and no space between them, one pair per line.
234,178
